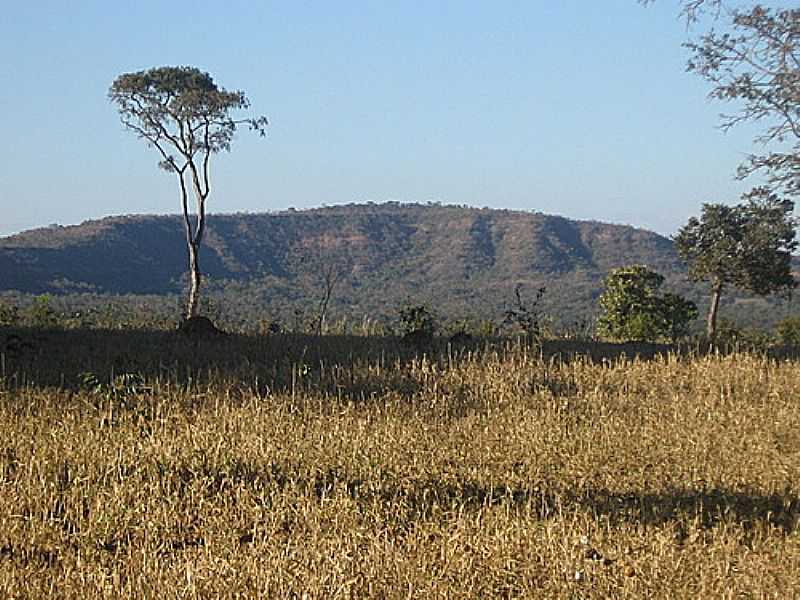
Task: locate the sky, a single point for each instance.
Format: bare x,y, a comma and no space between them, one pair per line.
577,108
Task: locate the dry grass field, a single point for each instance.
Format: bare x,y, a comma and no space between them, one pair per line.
136,467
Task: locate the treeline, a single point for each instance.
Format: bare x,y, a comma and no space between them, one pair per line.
528,314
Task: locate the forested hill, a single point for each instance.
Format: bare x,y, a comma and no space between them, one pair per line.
455,259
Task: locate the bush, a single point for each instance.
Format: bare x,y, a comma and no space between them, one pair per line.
732,336
527,316
788,331
633,310
417,321
42,314
9,314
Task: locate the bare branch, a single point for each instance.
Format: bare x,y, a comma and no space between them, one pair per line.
691,10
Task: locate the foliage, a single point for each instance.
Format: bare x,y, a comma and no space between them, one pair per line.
580,330
42,314
417,325
416,318
678,314
734,337
182,110
397,251
748,246
753,59
757,65
9,314
633,310
788,331
267,326
121,388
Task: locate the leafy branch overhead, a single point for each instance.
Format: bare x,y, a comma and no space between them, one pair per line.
752,59
693,9
757,65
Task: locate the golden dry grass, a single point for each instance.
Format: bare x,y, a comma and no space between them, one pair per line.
497,474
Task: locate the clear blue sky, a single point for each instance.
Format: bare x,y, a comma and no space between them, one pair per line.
575,107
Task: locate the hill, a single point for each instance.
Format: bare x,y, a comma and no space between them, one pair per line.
461,261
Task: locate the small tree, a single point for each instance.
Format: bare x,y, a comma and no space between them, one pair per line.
633,310
417,326
788,331
9,314
182,113
527,316
320,265
747,246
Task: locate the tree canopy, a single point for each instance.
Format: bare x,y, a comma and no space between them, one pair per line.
747,246
181,109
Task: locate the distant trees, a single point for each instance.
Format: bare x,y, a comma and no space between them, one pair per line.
634,311
182,113
747,246
788,331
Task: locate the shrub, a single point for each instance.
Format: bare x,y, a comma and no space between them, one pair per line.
788,331
732,336
41,313
417,321
527,316
633,310
9,314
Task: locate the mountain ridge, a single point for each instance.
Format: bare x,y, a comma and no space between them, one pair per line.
459,259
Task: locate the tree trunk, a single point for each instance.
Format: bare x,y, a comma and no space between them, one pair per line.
193,307
711,325
323,309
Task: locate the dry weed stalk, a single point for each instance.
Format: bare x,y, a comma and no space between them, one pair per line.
494,474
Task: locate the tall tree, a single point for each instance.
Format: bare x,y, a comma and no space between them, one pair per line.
747,246
182,113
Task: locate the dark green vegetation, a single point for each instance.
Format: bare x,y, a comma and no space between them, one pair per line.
633,308
748,246
462,263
